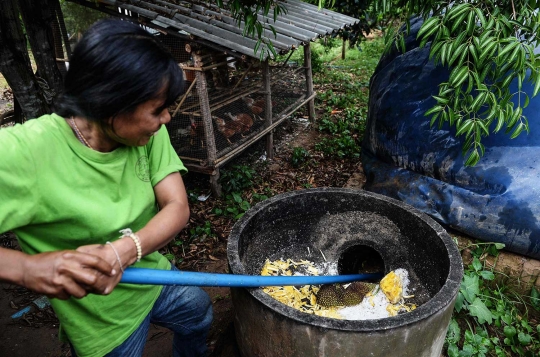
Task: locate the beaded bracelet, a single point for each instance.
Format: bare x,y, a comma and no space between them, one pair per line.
129,233
117,256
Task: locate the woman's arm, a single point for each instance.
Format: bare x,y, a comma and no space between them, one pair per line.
59,274
172,217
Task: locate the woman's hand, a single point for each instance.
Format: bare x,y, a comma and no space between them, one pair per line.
67,273
108,252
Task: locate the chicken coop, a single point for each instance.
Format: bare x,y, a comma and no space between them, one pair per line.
234,96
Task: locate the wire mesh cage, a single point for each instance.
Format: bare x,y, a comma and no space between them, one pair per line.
226,106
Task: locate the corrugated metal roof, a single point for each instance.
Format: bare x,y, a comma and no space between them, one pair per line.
300,24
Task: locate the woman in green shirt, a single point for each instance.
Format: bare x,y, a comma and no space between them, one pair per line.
103,164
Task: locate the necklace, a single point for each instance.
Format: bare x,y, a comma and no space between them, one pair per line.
80,136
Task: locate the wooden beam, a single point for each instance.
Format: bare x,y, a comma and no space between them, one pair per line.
309,82
268,110
202,91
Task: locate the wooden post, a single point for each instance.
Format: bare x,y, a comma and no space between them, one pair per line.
206,115
268,109
343,49
309,81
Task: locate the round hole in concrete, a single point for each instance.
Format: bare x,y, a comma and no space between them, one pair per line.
360,259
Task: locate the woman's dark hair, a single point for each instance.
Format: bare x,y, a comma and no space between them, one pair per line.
116,66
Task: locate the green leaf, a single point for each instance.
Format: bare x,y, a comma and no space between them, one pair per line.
435,49
481,16
459,21
477,265
453,350
245,205
500,121
488,49
507,319
536,86
535,298
444,50
454,333
434,120
457,10
479,101
487,275
458,76
470,83
471,23
237,197
509,47
519,128
509,331
434,109
459,302
473,52
479,310
468,351
465,127
271,48
457,52
499,245
428,27
441,100
473,158
524,338
470,287
513,118
506,82
482,126
484,73
526,101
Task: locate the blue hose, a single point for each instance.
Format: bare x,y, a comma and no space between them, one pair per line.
189,278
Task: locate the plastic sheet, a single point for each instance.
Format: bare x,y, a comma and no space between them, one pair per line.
498,200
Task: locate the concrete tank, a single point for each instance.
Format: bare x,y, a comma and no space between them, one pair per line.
336,222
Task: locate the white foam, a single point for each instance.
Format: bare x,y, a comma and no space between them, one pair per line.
374,307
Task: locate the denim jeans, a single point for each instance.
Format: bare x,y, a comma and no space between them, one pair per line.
186,310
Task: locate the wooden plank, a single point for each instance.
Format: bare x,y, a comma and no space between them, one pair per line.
268,110
309,82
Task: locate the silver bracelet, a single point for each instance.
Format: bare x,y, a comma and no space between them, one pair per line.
117,255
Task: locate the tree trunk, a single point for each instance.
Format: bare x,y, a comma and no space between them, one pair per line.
39,21
15,62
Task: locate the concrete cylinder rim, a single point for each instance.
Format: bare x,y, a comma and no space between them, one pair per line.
438,302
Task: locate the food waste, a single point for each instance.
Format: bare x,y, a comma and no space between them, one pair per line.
351,301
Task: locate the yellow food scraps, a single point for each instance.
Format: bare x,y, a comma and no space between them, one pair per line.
301,298
392,287
394,309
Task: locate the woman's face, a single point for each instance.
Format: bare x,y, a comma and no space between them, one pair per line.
136,128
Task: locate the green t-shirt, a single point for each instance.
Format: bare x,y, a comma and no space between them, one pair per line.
57,194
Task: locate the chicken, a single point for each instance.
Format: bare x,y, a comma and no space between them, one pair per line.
245,120
196,131
256,106
228,129
255,109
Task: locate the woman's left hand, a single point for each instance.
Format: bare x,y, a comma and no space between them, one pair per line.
107,253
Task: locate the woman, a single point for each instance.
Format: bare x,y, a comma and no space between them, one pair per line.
102,164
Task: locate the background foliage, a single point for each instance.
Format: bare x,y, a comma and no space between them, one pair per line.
486,44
